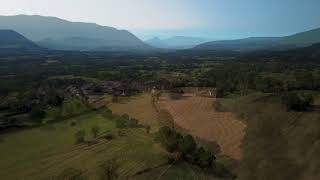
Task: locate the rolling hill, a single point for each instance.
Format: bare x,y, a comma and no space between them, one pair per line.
52,32
302,39
10,39
247,44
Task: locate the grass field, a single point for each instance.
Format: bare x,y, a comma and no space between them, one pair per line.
50,149
181,171
197,115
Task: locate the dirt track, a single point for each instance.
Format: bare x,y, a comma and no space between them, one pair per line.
197,115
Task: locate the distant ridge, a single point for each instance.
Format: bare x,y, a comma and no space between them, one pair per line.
175,42
55,33
302,39
10,39
246,44
309,54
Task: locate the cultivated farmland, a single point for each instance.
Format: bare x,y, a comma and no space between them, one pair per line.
138,107
197,115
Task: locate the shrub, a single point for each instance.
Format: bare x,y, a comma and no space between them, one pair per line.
125,121
109,170
269,84
174,141
221,171
70,174
107,113
37,114
170,160
95,131
223,89
206,159
73,123
115,99
165,118
121,122
109,136
148,129
186,145
203,158
168,138
73,106
298,101
80,136
121,133
176,94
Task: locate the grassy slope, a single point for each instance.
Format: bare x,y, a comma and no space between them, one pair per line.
279,144
50,149
182,171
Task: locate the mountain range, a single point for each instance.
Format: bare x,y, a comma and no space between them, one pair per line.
176,42
59,34
247,44
302,39
55,33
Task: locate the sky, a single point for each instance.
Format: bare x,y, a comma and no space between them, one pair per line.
211,19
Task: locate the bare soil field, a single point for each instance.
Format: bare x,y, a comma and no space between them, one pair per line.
197,115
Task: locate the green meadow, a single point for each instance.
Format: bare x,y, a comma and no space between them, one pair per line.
50,149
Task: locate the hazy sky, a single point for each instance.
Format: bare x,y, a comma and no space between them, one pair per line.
216,19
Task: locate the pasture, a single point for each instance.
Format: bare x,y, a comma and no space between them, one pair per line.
51,149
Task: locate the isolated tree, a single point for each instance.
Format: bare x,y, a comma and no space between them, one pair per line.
80,136
95,131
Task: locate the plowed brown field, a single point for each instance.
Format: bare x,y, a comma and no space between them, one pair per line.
197,115
138,107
